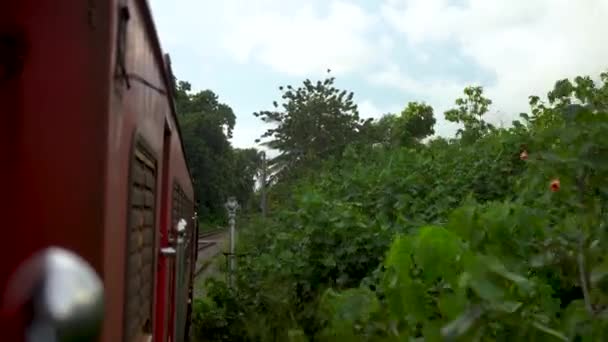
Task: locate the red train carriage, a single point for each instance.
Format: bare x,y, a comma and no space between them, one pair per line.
94,172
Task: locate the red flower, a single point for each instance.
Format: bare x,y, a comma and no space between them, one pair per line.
555,185
523,155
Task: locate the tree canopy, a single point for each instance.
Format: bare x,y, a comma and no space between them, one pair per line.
314,121
415,122
469,111
219,170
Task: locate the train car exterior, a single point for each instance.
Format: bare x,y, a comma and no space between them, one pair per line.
93,165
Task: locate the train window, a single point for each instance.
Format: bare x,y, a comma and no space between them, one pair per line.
140,246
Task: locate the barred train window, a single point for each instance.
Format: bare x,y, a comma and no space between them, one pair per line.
140,246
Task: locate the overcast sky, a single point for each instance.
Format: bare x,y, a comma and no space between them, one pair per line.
389,52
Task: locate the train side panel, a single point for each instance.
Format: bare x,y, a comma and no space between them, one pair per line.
144,148
53,105
94,158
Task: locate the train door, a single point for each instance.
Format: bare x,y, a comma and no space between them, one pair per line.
167,253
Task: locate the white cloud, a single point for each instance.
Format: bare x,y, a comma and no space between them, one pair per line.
438,93
369,109
527,45
296,38
299,40
434,91
244,135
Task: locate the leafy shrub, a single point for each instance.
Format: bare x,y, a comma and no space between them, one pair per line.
497,239
218,316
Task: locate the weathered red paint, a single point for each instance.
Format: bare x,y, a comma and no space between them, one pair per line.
66,135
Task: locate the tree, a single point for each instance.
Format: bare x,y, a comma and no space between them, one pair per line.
567,98
219,170
315,121
470,111
247,163
415,123
378,131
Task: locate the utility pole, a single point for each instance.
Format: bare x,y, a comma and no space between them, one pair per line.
232,206
263,188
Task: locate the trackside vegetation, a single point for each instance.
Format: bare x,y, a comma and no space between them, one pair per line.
378,231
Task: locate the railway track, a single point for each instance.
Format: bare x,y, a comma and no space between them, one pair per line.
205,241
210,233
205,244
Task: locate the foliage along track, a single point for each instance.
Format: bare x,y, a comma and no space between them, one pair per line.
497,235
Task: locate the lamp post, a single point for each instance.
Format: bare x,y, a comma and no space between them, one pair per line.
232,206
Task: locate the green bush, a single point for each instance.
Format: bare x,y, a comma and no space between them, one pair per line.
453,240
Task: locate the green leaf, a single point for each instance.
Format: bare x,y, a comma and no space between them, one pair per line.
296,335
494,265
478,278
329,261
437,251
462,222
399,256
599,273
452,304
486,289
414,299
549,331
462,324
507,306
432,331
574,316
